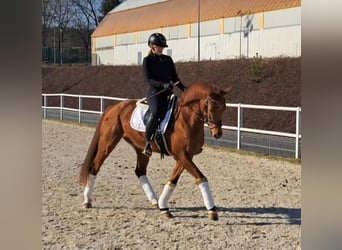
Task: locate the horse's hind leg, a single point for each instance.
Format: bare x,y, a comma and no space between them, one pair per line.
88,190
140,171
106,144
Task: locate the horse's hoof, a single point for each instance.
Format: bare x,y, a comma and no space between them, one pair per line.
166,215
155,205
213,215
87,205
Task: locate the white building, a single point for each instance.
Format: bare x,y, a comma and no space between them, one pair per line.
228,29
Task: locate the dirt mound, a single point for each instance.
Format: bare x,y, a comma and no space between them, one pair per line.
273,82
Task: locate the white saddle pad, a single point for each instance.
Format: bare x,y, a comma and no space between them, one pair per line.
137,119
138,116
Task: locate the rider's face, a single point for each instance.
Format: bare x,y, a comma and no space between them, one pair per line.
157,49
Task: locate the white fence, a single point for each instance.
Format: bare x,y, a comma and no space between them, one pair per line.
239,128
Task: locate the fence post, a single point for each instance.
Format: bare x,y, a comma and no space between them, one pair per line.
61,106
102,105
79,108
297,131
45,106
239,125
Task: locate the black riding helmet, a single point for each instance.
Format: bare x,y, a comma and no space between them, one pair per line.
157,39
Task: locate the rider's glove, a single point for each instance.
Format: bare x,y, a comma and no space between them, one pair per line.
167,86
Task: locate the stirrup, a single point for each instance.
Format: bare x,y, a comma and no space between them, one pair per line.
147,150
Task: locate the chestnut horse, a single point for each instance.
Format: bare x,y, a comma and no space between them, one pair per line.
201,103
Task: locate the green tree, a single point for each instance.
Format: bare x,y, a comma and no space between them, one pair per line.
256,71
108,5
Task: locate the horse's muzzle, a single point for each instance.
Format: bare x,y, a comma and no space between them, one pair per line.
215,128
216,132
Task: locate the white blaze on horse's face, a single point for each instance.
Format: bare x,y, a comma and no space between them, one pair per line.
215,109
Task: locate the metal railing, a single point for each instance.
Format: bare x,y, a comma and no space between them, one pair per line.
239,128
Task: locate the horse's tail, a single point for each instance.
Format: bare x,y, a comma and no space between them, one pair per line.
88,161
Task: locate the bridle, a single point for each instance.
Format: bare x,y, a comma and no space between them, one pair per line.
206,119
211,123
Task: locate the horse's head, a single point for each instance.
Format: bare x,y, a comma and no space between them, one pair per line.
215,104
212,105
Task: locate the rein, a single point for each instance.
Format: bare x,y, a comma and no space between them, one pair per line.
161,91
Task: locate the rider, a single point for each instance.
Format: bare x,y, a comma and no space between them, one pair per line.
160,75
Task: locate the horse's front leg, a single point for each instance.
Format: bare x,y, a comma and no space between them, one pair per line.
149,191
168,191
203,185
200,180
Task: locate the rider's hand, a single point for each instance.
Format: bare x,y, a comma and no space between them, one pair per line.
166,85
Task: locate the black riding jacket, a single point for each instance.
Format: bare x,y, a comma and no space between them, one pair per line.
158,70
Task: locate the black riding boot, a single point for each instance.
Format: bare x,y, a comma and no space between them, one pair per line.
151,126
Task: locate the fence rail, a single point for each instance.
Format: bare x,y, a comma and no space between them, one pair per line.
239,129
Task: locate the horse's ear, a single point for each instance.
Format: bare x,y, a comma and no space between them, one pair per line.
225,91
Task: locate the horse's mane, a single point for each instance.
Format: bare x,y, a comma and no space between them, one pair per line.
198,91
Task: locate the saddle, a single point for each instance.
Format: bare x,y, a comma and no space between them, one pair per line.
140,116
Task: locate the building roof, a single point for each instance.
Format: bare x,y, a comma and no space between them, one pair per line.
178,12
131,4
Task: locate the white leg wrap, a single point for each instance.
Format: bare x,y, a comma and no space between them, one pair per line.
166,195
148,189
206,194
88,190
